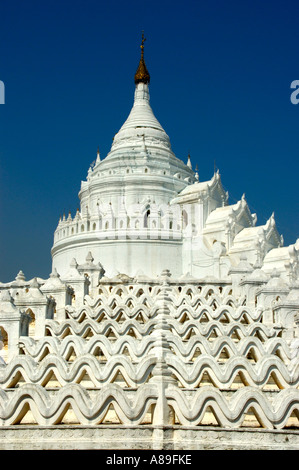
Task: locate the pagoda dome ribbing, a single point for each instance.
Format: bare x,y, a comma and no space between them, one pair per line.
141,124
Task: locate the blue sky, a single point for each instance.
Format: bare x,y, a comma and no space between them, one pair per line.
220,86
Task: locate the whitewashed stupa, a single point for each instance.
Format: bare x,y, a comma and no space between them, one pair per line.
170,319
126,217
143,210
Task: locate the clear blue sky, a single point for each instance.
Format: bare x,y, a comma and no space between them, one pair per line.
220,86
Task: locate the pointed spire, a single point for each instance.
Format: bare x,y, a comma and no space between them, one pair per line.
89,258
98,156
20,276
189,161
34,283
54,273
142,75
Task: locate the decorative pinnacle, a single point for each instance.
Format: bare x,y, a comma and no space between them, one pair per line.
142,75
98,156
143,39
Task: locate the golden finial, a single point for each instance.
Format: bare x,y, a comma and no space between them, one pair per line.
142,75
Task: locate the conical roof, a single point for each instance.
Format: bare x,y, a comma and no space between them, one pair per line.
141,123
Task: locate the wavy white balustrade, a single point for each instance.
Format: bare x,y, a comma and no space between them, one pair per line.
49,409
136,349
157,353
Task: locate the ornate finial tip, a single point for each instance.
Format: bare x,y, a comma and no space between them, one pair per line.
142,75
143,39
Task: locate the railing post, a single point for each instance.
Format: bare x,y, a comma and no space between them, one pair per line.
161,375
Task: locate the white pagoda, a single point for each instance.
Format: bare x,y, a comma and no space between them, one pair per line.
143,210
170,319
